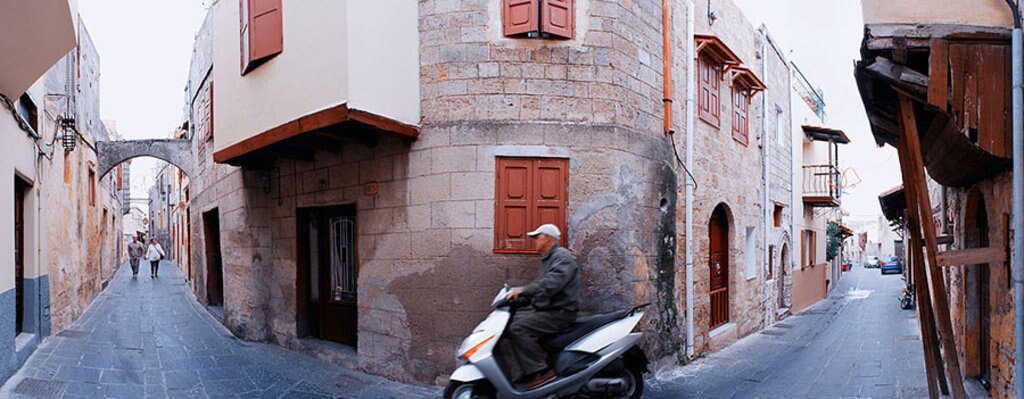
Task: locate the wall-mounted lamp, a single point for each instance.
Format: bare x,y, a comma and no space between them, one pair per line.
67,138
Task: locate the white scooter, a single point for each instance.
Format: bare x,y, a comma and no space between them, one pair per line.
597,357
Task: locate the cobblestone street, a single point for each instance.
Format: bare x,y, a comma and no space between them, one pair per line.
146,338
856,343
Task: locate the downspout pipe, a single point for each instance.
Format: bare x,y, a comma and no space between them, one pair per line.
691,93
1018,201
765,148
666,30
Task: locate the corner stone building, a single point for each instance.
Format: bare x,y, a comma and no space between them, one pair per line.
375,194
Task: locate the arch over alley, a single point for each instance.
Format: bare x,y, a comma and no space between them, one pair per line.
177,152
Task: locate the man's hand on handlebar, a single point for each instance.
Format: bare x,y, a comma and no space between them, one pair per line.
513,294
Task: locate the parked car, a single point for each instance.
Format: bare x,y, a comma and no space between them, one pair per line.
892,265
872,262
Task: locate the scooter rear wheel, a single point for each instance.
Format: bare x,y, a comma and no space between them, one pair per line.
468,390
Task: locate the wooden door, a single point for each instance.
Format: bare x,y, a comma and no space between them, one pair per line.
214,263
19,256
719,267
328,242
783,261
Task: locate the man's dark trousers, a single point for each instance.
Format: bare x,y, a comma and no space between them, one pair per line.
135,265
521,350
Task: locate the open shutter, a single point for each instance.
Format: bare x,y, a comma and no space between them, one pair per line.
557,18
519,17
512,212
262,31
551,181
740,125
209,115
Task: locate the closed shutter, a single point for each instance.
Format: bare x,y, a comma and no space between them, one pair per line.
557,18
519,17
262,32
551,178
512,205
740,108
709,101
529,192
805,251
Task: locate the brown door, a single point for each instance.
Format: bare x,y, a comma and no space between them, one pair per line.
328,243
214,263
783,261
719,265
19,256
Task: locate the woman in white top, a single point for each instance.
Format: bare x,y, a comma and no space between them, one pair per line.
153,254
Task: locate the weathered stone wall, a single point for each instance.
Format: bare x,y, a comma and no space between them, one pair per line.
729,172
962,283
82,247
776,138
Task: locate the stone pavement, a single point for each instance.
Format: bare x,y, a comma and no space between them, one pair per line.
145,338
857,343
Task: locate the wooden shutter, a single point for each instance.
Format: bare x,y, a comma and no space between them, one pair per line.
740,109
262,32
551,181
520,17
512,205
557,18
709,101
529,192
209,115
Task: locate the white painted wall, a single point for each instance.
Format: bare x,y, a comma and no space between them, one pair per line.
308,76
18,158
384,58
361,53
962,12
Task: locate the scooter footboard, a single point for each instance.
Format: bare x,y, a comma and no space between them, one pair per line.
466,373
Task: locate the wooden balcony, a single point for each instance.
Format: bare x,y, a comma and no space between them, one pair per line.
821,186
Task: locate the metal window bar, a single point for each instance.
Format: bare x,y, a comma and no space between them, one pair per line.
822,181
343,260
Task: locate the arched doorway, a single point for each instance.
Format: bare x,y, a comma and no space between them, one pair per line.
718,264
977,279
783,261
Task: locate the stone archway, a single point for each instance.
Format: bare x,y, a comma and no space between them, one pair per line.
178,152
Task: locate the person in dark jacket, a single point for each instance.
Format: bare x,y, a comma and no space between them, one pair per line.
555,298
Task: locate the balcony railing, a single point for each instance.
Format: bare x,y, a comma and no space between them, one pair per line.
822,185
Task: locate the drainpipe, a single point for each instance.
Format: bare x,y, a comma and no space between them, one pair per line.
666,30
691,81
1018,203
765,148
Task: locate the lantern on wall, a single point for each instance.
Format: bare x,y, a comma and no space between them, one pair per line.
67,138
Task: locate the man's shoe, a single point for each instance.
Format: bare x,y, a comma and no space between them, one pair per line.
540,379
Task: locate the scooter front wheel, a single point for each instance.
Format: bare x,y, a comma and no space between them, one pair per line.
468,390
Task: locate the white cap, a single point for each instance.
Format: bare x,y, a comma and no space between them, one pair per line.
548,229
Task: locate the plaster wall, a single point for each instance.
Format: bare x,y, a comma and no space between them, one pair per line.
960,12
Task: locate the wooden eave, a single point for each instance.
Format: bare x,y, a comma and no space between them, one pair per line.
716,49
893,202
885,71
820,133
745,79
820,201
327,130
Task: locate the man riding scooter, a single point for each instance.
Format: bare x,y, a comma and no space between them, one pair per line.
554,302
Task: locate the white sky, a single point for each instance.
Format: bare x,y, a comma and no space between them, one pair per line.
824,38
145,47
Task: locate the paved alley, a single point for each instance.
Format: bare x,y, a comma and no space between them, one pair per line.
857,343
145,338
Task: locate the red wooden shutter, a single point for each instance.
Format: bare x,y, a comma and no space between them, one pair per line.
262,32
557,18
512,205
551,181
709,101
519,17
740,110
529,192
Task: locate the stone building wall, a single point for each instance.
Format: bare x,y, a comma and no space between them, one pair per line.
81,255
729,172
963,282
777,139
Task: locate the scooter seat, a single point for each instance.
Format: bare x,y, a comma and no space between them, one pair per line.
583,326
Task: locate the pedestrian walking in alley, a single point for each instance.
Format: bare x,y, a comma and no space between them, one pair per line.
135,252
154,254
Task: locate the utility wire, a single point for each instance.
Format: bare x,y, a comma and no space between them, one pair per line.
680,161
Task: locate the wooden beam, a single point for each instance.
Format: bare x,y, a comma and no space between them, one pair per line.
900,76
923,207
938,74
972,256
937,384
